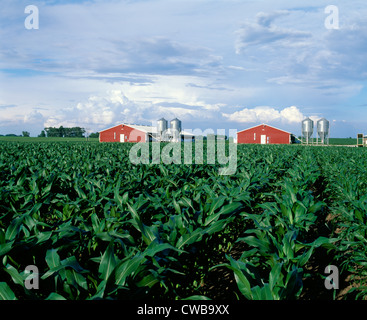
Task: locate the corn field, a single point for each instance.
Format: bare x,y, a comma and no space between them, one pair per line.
98,227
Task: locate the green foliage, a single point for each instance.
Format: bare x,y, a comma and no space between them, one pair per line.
99,227
65,132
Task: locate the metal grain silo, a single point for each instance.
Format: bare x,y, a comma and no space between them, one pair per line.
162,125
307,129
323,127
175,126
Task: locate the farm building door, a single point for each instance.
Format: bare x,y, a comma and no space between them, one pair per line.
122,138
263,139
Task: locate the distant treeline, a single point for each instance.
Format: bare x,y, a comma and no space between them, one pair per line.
64,132
61,132
77,132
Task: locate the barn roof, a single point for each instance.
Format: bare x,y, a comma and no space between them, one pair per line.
263,124
146,129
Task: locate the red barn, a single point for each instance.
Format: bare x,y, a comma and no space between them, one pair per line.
127,133
264,134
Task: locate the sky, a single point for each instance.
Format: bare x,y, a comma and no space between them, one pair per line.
214,64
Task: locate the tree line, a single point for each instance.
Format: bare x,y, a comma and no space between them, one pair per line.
63,132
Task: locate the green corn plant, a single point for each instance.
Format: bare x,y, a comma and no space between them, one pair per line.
253,286
100,227
6,293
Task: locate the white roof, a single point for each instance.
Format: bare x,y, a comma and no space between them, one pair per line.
146,129
184,133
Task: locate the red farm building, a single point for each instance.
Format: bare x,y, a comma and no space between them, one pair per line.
125,133
137,133
264,134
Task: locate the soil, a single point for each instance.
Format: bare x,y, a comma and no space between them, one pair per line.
220,282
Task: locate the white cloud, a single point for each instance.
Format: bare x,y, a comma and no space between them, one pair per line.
34,117
113,107
292,114
266,114
98,111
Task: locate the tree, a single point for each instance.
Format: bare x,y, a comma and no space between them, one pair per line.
61,131
74,132
42,134
25,133
52,132
94,135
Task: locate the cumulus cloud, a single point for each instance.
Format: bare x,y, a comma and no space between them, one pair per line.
115,107
98,111
34,117
266,114
292,114
188,113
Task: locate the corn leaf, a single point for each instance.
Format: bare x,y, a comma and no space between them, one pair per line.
126,268
108,262
6,293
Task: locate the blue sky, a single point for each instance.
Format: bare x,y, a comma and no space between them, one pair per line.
219,64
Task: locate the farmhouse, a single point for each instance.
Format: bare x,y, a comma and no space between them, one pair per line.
139,133
264,134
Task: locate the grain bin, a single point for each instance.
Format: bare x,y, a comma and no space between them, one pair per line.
307,129
323,128
175,127
162,125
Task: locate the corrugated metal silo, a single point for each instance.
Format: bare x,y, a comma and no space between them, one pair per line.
162,125
323,129
175,126
307,129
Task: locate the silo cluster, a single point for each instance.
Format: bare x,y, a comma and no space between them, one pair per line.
323,131
173,133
